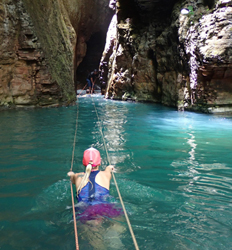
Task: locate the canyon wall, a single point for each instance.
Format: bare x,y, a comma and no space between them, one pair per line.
43,42
178,53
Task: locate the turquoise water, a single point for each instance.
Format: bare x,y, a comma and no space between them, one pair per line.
173,169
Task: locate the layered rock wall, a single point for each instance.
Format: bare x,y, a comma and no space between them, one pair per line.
160,53
43,42
155,51
26,72
206,36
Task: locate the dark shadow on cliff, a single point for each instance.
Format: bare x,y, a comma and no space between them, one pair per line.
95,47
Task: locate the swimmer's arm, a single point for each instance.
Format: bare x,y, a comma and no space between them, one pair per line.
91,78
74,176
109,169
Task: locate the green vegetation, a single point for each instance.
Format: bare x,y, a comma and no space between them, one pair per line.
191,12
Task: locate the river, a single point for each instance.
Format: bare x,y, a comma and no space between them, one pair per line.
174,172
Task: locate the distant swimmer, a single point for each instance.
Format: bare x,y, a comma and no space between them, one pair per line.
93,188
91,80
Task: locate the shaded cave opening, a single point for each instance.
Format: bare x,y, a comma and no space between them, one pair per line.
91,61
209,3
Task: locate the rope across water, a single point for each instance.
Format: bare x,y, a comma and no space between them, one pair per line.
119,194
73,207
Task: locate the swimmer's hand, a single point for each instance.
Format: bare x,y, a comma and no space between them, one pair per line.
112,168
70,173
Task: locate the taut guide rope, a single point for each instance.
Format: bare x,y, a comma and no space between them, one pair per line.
73,207
119,194
82,89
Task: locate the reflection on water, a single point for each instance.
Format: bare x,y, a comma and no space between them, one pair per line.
174,174
112,124
193,146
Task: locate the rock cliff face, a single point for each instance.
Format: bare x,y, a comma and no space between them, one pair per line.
206,37
43,42
178,53
159,52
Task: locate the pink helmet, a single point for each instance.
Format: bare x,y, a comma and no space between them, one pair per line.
91,155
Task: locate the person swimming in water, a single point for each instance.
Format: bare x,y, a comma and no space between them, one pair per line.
93,186
93,204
